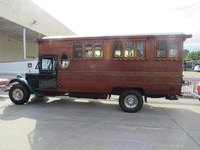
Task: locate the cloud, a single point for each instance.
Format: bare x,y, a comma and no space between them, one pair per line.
192,44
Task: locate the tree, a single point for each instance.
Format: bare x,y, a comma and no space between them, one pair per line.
185,54
194,55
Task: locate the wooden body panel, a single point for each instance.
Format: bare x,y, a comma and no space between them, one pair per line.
156,76
100,78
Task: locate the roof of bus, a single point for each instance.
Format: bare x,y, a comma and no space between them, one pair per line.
146,35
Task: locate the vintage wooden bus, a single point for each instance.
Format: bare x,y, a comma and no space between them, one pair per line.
131,66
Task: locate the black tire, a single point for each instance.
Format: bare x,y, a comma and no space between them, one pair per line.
19,94
130,101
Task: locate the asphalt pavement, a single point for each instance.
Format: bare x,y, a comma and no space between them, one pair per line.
60,123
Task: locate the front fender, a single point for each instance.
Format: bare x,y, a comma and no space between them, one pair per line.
23,82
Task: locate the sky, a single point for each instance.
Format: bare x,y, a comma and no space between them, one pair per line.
112,17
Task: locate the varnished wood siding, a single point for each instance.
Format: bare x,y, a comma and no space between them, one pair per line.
100,75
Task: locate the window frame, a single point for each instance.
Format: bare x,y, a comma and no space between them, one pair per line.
178,50
124,48
93,49
53,59
74,51
144,50
134,48
122,51
168,49
60,59
102,49
84,50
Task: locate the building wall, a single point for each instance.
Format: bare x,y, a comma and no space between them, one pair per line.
23,12
12,49
31,50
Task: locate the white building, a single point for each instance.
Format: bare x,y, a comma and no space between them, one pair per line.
21,23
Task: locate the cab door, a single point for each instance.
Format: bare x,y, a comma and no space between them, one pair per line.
48,71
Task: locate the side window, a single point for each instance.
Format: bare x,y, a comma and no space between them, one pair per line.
161,49
173,48
64,60
98,49
134,49
139,49
88,49
129,52
48,64
78,50
118,48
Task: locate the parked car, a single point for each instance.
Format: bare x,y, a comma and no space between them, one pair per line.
4,83
197,68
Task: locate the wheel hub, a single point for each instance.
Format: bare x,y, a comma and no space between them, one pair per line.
131,101
17,94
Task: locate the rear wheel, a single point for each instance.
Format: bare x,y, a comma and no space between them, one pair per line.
19,94
131,101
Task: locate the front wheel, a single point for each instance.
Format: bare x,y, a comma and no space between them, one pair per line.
131,101
19,94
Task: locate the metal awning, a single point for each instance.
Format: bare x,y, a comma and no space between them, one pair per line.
13,30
